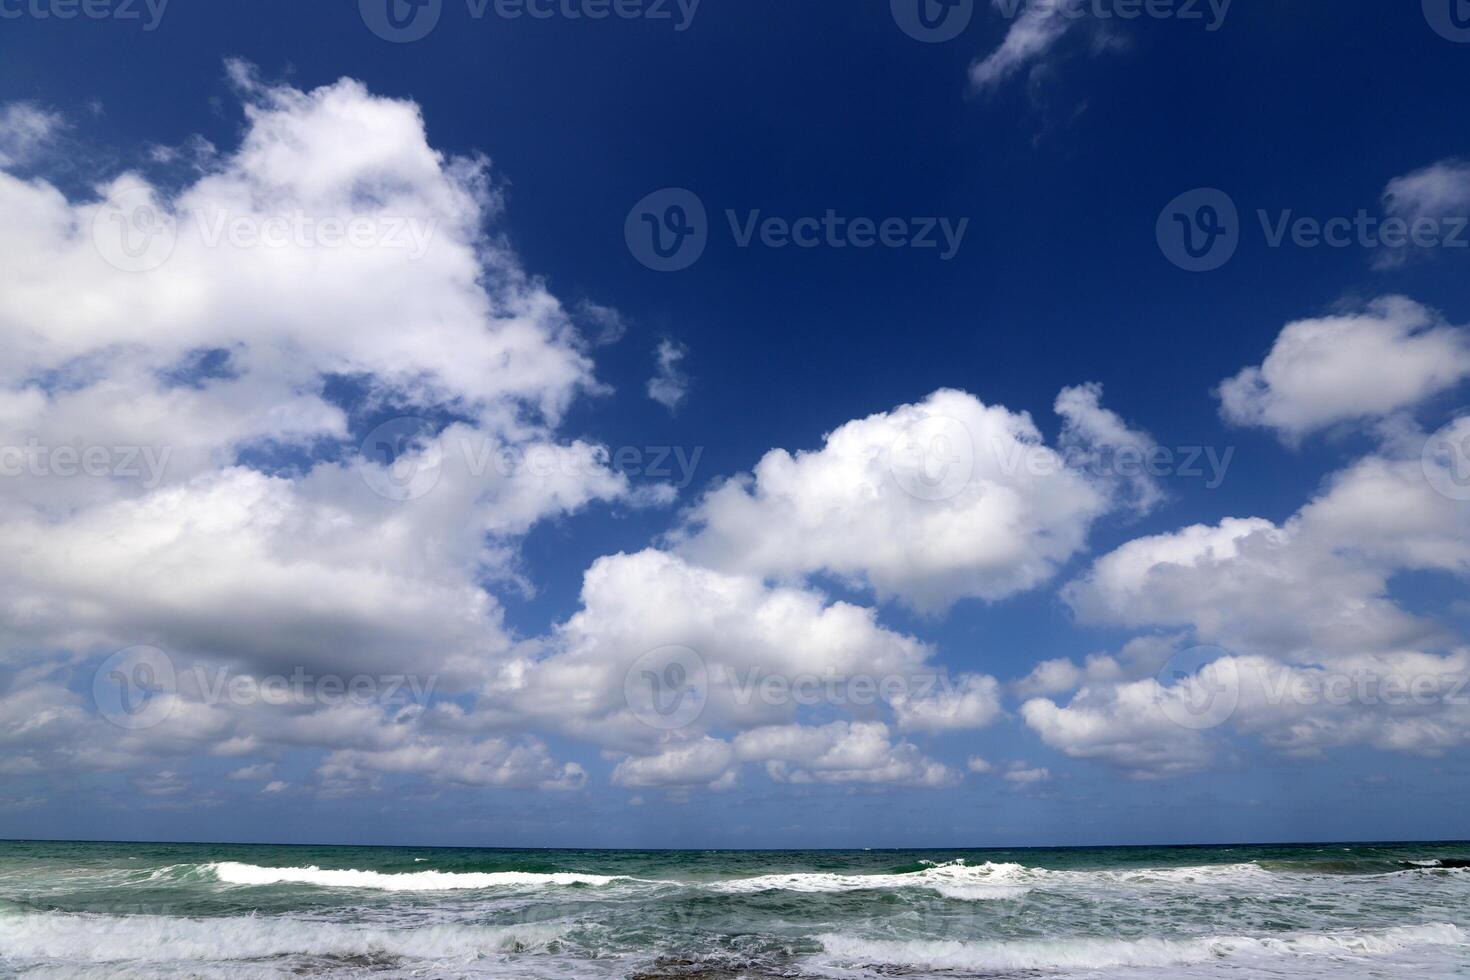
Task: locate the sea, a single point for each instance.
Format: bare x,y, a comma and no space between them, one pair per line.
243,911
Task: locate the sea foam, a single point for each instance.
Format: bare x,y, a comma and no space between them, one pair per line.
153,938
234,873
1103,954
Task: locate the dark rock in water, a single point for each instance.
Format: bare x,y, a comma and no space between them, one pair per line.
1436,865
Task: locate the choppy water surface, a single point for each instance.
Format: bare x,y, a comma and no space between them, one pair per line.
145,910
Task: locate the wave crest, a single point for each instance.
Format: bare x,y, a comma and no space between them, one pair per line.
235,873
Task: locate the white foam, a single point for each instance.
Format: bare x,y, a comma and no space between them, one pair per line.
234,873
1104,954
160,939
953,880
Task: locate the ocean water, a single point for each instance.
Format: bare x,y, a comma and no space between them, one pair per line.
192,910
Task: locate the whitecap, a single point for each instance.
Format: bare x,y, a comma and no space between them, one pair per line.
234,873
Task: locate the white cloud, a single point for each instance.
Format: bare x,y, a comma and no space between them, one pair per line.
733,629
1439,190
978,765
670,384
1034,32
841,752
1401,701
25,129
1316,585
1305,606
1123,725
1436,197
1390,356
261,770
1025,775
1061,675
928,503
495,763
703,760
970,701
1098,441
183,373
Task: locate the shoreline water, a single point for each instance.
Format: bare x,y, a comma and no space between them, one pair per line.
1197,911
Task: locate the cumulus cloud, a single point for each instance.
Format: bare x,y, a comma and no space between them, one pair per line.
1390,356
836,753
928,503
1317,584
765,651
180,472
1309,643
1404,701
1061,675
970,702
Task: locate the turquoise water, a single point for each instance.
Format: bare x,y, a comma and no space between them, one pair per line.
215,910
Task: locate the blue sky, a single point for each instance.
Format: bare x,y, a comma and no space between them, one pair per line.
272,541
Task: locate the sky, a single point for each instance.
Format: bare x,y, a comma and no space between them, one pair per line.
646,423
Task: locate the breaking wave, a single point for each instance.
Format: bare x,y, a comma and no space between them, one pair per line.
234,873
